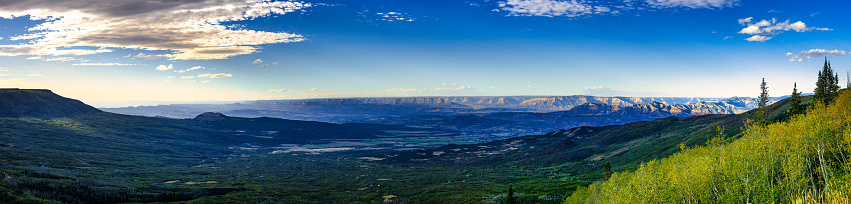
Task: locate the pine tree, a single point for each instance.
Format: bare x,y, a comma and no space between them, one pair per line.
827,85
763,100
795,106
510,198
607,171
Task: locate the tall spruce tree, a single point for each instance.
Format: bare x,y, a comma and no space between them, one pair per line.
510,199
763,100
827,85
795,106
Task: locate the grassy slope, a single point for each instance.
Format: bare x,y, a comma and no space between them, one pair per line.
801,160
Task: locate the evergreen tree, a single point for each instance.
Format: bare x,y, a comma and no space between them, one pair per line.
763,100
607,171
827,85
510,198
795,106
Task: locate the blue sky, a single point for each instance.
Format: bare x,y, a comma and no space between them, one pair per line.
100,51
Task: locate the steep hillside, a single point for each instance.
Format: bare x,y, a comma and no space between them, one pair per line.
802,160
40,103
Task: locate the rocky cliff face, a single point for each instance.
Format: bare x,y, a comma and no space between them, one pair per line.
40,103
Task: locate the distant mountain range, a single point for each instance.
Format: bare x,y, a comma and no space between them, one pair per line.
348,109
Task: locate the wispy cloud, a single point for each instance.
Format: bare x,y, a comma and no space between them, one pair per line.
760,29
605,91
278,90
814,53
551,8
426,90
313,89
220,75
263,65
150,57
393,16
187,29
257,61
34,75
576,8
190,69
692,3
102,64
187,77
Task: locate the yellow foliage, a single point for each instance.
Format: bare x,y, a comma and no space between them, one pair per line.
802,160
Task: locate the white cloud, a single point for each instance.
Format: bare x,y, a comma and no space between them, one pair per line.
745,20
189,29
205,81
165,68
190,69
102,64
814,53
313,89
187,77
257,61
692,3
277,90
220,75
772,27
758,38
571,8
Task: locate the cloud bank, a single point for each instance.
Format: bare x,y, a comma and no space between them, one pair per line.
190,29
